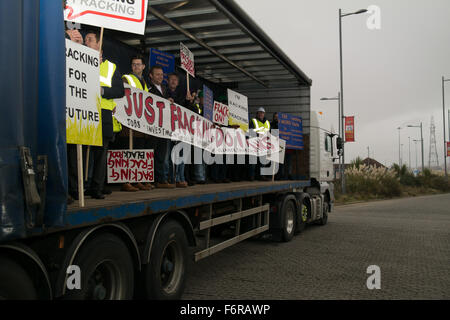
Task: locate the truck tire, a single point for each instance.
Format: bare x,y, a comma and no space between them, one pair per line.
107,271
165,274
302,216
15,283
323,221
288,219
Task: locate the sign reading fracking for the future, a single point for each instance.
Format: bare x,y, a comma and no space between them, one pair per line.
238,109
122,15
83,110
187,59
130,166
156,116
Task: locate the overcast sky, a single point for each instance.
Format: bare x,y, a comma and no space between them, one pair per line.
392,76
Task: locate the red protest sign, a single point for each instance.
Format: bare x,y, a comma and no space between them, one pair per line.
349,129
130,166
220,113
187,59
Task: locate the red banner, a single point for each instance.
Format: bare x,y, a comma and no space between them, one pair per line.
349,129
448,149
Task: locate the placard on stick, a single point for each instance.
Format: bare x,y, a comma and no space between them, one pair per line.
130,166
127,16
220,113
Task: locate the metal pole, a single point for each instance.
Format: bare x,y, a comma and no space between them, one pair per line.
443,118
421,139
399,155
409,151
415,149
342,102
340,134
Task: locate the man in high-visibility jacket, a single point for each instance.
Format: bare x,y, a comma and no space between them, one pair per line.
261,126
136,80
111,88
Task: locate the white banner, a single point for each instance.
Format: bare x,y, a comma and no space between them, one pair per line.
127,16
238,109
187,59
83,110
130,166
220,113
147,113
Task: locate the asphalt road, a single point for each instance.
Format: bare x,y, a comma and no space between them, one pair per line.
409,239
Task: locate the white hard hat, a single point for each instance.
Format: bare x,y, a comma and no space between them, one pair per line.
261,109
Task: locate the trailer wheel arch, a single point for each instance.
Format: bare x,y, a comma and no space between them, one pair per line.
118,229
27,258
179,216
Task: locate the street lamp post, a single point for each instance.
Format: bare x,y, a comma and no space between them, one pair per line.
415,148
342,86
399,154
340,131
443,118
421,140
409,152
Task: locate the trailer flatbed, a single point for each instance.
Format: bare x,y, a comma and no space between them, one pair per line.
119,205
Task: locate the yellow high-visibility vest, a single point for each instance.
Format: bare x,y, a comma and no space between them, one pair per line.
107,70
261,127
134,82
198,108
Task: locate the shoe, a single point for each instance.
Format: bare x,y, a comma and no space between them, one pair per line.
191,183
181,184
70,199
200,182
106,191
96,195
74,195
165,185
149,185
128,188
140,186
226,181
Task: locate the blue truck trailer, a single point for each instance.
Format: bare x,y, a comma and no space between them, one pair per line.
137,245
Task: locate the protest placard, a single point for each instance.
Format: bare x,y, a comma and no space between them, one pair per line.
187,60
291,129
238,109
130,166
127,16
220,114
163,59
83,110
208,103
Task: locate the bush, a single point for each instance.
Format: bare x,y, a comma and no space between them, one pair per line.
371,181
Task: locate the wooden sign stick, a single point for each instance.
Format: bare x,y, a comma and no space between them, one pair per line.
89,147
80,175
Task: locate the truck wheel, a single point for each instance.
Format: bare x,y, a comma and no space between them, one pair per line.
107,271
15,284
289,214
323,221
302,217
164,276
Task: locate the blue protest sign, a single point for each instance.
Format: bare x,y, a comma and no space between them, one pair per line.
208,102
163,59
291,130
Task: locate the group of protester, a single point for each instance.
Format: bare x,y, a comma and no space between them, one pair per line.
117,137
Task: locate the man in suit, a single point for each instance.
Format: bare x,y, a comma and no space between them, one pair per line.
163,164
